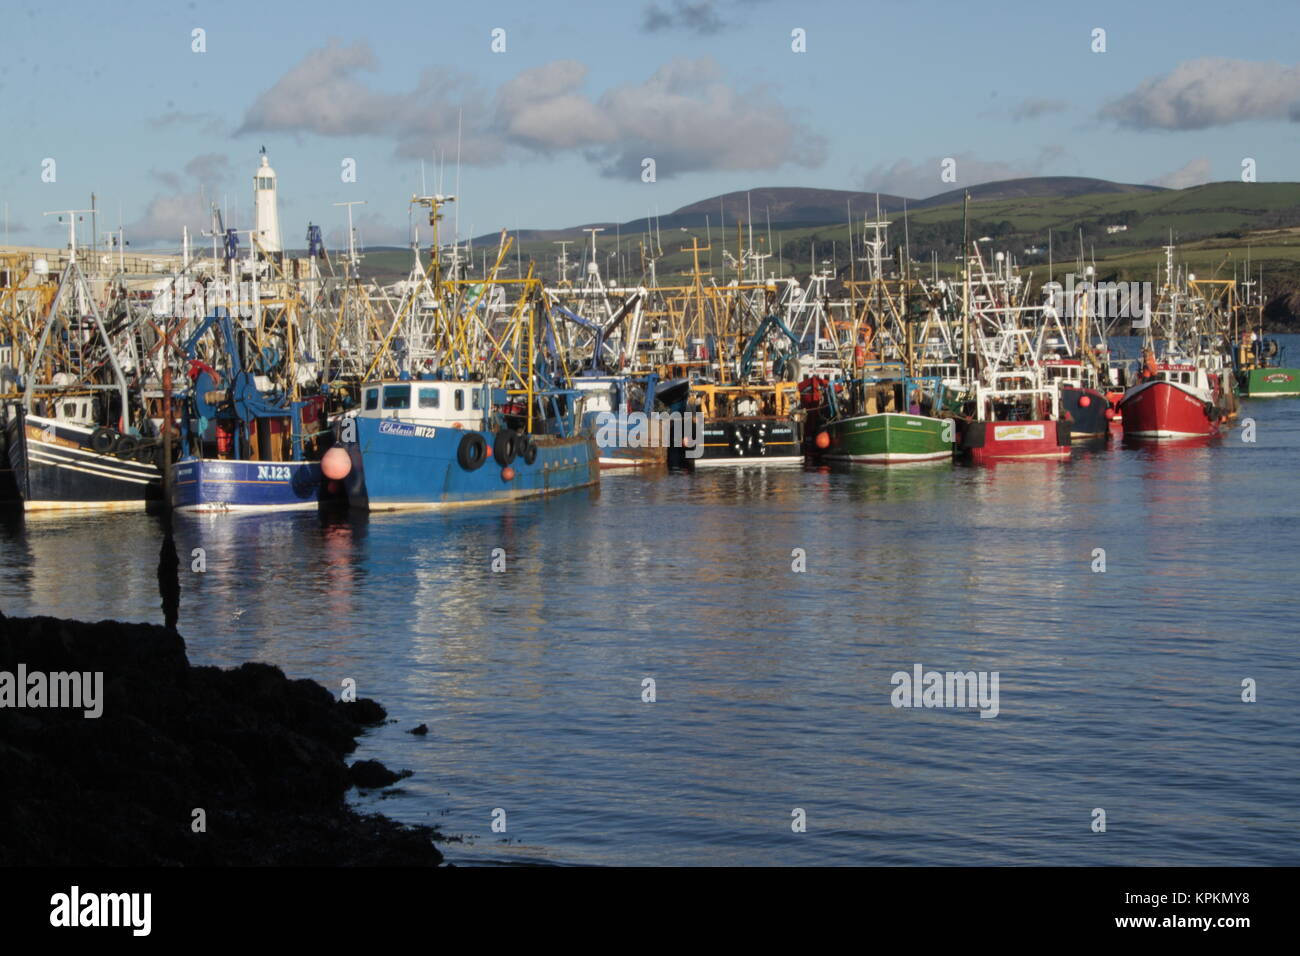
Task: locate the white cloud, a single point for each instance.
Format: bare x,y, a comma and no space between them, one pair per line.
1211,91
187,203
699,17
1194,173
922,180
320,94
209,123
686,116
1035,107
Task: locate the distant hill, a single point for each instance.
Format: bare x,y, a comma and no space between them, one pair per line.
795,206
1045,223
789,205
1034,187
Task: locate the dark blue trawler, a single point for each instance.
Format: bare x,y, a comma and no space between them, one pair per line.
247,450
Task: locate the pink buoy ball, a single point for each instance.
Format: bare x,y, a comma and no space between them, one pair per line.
507,473
1085,401
335,464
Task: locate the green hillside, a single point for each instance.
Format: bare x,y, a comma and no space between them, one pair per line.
1215,227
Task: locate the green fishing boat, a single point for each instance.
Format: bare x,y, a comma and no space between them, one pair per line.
1269,382
890,438
886,419
1258,363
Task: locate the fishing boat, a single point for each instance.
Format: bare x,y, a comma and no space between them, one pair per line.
747,424
885,419
619,410
1175,399
421,444
1259,368
77,438
1189,392
1083,403
248,446
66,461
1014,414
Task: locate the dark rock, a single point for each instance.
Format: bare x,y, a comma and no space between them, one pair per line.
261,754
371,775
419,731
364,712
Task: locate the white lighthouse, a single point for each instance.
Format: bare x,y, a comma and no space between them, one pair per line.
266,218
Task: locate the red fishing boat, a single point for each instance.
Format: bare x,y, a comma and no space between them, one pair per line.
1014,415
1175,400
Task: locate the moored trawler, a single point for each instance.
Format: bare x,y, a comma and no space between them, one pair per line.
1259,369
1175,400
257,450
748,424
886,422
617,409
67,463
437,444
1016,416
1083,403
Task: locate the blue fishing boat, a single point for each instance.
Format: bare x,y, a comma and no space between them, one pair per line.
249,446
619,410
215,484
423,444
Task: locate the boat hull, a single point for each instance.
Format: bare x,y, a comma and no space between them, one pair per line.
402,466
750,441
890,438
210,484
8,483
1270,382
622,444
54,469
633,457
997,441
1162,410
1085,410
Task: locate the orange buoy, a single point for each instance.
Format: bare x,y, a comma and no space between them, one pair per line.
1085,401
507,473
336,463
1110,413
823,440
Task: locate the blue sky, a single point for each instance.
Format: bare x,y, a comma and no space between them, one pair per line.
553,129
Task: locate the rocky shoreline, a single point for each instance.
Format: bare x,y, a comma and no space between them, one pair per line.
191,766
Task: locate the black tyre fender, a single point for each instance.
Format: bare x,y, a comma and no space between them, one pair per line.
529,453
148,452
473,451
127,446
103,440
505,447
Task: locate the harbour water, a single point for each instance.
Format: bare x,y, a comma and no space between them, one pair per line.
1119,689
